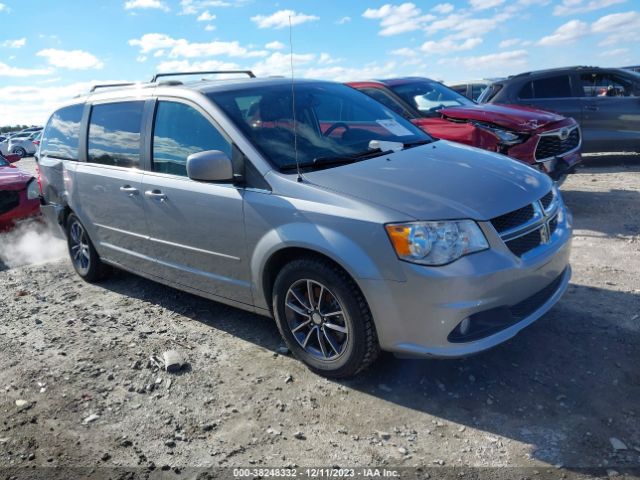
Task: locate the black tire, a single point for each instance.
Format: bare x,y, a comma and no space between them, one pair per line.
21,152
359,346
83,255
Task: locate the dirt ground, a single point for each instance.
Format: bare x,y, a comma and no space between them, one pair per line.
79,388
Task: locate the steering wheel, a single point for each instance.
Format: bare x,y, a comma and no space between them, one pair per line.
330,130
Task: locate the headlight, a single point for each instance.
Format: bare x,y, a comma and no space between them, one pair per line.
504,136
436,243
33,190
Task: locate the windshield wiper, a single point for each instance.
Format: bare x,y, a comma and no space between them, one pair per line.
338,159
416,143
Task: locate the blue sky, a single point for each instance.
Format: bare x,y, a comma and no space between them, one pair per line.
50,51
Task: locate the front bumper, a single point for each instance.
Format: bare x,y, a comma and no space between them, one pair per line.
418,316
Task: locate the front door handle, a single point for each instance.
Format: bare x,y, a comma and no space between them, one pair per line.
129,189
157,194
591,108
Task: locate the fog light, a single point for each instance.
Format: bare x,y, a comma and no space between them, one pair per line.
465,326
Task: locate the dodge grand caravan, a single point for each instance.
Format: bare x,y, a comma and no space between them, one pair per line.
345,222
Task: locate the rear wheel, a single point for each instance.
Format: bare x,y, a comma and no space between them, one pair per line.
324,318
21,152
84,257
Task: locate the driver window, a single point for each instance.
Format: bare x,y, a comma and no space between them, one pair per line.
180,130
605,85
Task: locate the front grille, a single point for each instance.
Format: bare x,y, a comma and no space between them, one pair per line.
550,146
534,302
512,219
547,199
521,245
9,199
528,227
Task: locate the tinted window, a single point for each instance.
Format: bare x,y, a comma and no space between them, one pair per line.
606,85
114,134
551,87
387,101
331,120
179,131
62,135
429,97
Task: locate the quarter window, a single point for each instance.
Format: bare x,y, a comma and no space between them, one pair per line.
114,134
551,87
179,131
62,135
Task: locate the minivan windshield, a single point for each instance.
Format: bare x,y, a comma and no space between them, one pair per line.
429,97
333,123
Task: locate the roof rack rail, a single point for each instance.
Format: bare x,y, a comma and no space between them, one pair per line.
110,85
212,72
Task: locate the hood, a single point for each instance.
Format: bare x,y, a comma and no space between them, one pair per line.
438,181
513,117
13,179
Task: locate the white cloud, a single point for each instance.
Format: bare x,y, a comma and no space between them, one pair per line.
180,47
70,59
567,33
620,28
21,42
210,28
205,16
446,45
145,4
9,71
404,52
275,45
443,8
504,62
616,52
343,20
571,7
343,74
485,4
3,8
186,66
396,19
514,42
193,7
279,63
462,25
281,19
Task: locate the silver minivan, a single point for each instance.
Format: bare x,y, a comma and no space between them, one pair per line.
314,204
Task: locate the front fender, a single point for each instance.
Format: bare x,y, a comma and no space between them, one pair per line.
351,256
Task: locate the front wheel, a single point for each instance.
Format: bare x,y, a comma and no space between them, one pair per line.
324,318
84,257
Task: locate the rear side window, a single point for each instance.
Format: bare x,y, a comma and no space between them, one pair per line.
179,131
551,87
114,134
61,138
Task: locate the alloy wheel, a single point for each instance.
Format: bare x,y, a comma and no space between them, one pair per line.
79,247
316,319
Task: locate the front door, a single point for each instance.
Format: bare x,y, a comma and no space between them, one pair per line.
196,229
611,112
109,185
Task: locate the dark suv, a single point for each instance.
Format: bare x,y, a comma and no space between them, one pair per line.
605,101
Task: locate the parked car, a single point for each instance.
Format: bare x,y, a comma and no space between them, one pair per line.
35,138
634,68
19,144
605,101
346,222
541,139
19,195
472,89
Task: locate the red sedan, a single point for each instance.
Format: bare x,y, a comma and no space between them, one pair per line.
19,194
542,139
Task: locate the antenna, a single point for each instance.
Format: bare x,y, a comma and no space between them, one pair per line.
293,104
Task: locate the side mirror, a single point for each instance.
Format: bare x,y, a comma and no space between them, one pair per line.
210,166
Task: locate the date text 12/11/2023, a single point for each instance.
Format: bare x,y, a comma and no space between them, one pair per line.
315,473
